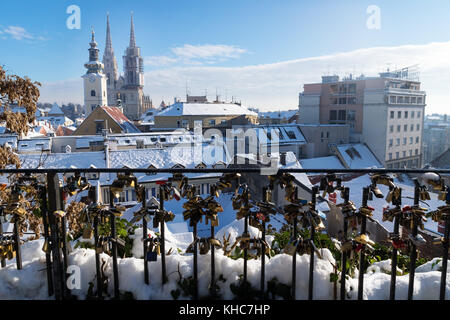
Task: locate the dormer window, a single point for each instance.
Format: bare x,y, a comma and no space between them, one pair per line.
178,166
92,93
200,166
151,167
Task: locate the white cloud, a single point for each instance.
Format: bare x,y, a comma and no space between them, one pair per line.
196,55
18,33
159,61
277,85
208,51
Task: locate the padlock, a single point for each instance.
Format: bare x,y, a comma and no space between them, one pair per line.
364,239
377,192
88,232
442,195
46,246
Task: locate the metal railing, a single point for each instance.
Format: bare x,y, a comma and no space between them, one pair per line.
299,211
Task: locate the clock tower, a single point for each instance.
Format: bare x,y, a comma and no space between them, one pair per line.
95,85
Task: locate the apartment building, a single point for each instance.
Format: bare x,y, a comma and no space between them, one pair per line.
385,112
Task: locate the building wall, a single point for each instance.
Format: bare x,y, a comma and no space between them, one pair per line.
177,121
320,136
88,127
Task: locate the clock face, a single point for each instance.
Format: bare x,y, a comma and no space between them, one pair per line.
91,78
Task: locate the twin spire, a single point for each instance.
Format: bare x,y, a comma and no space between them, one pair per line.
108,46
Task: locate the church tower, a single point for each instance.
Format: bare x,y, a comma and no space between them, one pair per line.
133,67
111,70
95,86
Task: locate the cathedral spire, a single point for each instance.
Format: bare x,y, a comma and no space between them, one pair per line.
132,38
108,47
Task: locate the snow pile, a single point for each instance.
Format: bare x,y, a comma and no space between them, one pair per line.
31,283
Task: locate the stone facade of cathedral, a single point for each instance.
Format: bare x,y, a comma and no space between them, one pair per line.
129,86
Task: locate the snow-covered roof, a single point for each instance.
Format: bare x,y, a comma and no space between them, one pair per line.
357,156
84,142
34,145
286,114
121,119
193,109
56,111
8,139
331,162
64,160
285,134
168,157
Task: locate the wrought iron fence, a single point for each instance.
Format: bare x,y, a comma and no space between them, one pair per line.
299,213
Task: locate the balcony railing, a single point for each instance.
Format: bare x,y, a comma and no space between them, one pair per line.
299,214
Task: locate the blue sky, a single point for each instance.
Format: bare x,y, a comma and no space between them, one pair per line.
198,36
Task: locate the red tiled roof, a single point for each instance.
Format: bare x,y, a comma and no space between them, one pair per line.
116,114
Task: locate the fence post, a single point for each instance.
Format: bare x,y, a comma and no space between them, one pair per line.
54,203
144,237
66,291
315,190
112,218
3,261
445,253
163,238
263,247
398,203
17,244
365,198
344,254
413,254
48,261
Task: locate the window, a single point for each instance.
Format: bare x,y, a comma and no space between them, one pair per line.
92,93
153,192
404,154
212,122
417,139
392,99
404,141
333,114
98,126
412,114
399,99
418,127
406,114
351,100
405,128
411,128
397,155
392,114
418,114
416,151
397,141
411,140
391,142
399,114
342,100
391,128
407,101
410,153
399,128
223,121
419,100
291,134
390,156
328,134
413,100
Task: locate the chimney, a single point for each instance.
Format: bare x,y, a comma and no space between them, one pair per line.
283,158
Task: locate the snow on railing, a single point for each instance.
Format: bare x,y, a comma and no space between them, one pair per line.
300,215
